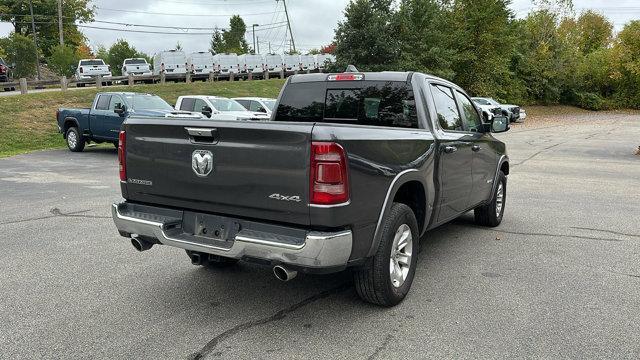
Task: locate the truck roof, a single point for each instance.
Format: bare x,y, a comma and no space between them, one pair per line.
371,76
124,93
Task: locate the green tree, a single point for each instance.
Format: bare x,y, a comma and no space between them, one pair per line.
595,32
119,51
483,44
20,50
102,53
217,43
424,29
366,37
626,53
63,60
17,13
234,38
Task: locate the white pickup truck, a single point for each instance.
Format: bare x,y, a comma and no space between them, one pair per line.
92,68
218,108
136,67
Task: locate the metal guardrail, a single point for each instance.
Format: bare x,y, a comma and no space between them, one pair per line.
131,80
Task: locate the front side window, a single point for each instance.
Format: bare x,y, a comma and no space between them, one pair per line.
446,108
469,113
256,107
115,100
149,102
226,105
103,102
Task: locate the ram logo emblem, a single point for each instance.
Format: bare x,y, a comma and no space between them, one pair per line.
202,162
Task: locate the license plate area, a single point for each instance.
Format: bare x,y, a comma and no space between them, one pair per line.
210,229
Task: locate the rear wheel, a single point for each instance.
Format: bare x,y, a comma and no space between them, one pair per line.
387,279
491,213
75,140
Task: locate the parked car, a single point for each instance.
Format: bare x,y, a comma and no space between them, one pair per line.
92,68
488,110
251,63
291,62
513,112
307,62
227,63
170,62
217,108
4,71
322,60
136,67
273,63
351,173
201,63
257,105
101,123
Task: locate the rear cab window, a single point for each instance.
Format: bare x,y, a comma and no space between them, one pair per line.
371,103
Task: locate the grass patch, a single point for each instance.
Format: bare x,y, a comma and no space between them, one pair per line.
27,122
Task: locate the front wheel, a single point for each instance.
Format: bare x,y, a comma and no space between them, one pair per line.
387,279
75,140
491,214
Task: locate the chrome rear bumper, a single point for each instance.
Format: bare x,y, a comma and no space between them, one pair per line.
316,250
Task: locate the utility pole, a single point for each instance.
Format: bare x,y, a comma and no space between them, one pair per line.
35,38
60,22
269,47
258,43
286,12
254,37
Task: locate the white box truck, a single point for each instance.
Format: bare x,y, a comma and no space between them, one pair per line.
251,63
170,62
291,62
273,63
226,63
200,63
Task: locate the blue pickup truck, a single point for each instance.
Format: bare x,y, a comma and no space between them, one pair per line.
101,123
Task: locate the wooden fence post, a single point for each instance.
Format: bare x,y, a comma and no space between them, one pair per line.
266,74
250,76
23,86
282,74
99,82
211,76
64,83
163,77
232,76
187,77
130,80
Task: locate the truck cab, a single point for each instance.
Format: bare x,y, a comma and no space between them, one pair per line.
218,108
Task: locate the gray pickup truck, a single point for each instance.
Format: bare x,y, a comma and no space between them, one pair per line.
351,172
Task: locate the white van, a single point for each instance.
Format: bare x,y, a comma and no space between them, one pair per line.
136,67
307,62
273,63
226,63
251,63
291,62
200,63
322,59
171,62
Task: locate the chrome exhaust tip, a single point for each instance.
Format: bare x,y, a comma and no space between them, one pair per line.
284,274
140,244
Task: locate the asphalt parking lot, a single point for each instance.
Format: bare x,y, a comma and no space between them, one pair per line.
560,278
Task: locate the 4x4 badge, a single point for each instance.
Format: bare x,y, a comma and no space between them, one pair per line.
202,162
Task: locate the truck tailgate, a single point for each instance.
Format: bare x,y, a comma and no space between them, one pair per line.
259,169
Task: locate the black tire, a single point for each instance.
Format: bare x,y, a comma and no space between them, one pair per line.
373,283
210,260
488,215
75,140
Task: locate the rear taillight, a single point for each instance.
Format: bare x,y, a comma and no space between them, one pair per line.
81,70
122,153
329,181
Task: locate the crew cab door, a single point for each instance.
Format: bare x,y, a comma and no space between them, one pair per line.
96,117
112,121
455,154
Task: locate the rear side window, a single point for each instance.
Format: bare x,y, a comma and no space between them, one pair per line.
103,102
448,115
187,104
373,103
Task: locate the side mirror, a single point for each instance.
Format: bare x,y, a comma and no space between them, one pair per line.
499,124
206,111
120,109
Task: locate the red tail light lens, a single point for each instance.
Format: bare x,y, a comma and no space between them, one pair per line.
329,182
345,77
122,155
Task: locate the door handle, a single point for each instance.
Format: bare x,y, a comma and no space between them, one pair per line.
450,149
476,148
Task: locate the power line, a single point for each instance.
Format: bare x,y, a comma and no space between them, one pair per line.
154,32
178,14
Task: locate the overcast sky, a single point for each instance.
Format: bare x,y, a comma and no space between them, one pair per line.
312,21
